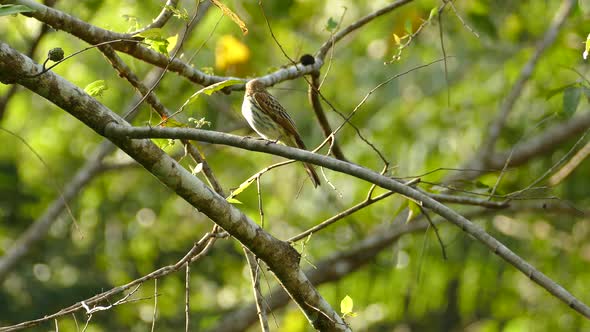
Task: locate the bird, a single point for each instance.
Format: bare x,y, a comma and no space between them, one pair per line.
270,120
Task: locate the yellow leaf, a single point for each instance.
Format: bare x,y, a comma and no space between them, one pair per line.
346,305
229,52
233,201
96,88
153,33
233,16
172,42
241,188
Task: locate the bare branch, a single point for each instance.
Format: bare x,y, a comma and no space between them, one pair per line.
313,93
85,174
199,250
570,166
321,54
525,74
258,298
280,257
113,130
161,19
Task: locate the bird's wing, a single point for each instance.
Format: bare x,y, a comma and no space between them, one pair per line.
271,107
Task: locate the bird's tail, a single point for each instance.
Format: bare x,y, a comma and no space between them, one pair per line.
315,179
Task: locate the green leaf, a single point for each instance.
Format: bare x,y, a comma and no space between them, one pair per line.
408,26
160,46
199,123
172,122
571,100
242,187
156,40
208,90
481,185
182,15
233,200
484,24
549,94
346,305
154,33
331,25
402,207
96,88
433,13
414,210
6,10
586,91
587,49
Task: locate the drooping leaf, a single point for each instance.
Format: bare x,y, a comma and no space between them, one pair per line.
208,90
571,100
549,94
6,10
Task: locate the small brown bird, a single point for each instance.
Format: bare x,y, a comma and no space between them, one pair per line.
269,119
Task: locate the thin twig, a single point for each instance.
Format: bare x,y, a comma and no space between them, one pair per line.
160,20
444,54
570,166
155,305
354,26
254,268
273,35
321,115
552,168
260,205
198,250
450,2
176,50
507,105
187,296
433,225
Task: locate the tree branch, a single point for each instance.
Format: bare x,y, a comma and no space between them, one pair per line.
342,264
199,250
279,256
499,122
116,130
95,35
321,54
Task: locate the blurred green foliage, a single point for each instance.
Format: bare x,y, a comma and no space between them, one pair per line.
128,224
